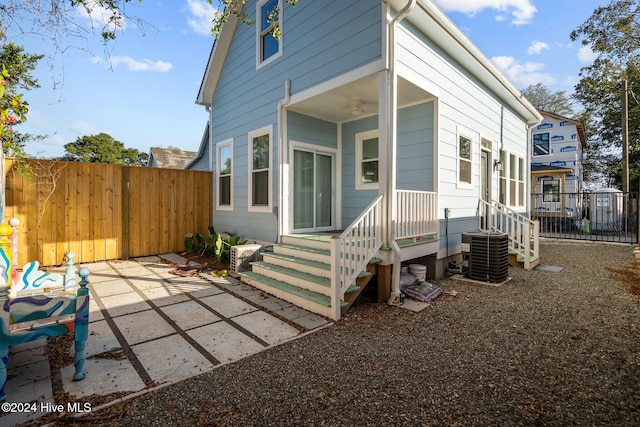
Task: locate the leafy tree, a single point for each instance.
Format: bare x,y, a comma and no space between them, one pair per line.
102,148
16,67
613,33
552,102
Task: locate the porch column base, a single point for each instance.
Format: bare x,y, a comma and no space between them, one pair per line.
384,282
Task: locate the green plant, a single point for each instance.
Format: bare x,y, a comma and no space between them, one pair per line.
214,246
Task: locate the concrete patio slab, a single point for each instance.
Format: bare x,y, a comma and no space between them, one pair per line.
143,326
115,287
161,296
174,258
270,329
104,376
170,359
147,282
118,305
228,305
102,339
190,314
225,342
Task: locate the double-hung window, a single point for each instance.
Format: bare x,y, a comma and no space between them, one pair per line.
367,160
268,47
224,168
260,176
465,150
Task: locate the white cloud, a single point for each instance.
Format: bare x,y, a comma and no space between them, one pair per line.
586,55
537,47
522,11
100,15
144,65
201,15
522,75
84,128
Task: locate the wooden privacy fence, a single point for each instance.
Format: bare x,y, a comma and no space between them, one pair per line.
103,212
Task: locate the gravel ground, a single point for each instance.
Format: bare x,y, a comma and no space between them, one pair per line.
547,348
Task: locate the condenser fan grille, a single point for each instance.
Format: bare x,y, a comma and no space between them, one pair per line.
488,256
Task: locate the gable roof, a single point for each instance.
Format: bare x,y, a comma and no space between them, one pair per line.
579,126
169,158
202,149
430,20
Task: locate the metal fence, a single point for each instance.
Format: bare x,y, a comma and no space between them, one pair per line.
609,215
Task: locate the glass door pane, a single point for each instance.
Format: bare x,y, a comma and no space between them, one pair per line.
303,194
324,205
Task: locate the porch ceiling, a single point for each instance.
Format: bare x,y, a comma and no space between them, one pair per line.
356,99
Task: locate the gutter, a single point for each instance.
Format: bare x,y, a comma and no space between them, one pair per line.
394,298
277,211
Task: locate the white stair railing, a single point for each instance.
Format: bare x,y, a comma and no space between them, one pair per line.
352,251
523,233
417,214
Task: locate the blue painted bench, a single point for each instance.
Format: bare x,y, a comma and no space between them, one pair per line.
37,305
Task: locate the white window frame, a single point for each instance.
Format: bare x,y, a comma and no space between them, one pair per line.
515,181
267,130
219,147
360,138
463,133
259,34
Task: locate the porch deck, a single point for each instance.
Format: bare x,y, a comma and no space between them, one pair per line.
326,236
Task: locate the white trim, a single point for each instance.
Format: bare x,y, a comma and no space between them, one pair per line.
341,80
259,62
266,130
464,133
360,137
506,167
219,146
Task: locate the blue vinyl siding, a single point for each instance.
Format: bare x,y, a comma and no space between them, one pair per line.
313,131
354,201
464,104
414,155
321,40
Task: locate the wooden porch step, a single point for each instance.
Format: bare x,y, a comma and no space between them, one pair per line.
317,268
254,278
306,252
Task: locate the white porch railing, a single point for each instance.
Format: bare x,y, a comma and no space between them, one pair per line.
523,233
417,214
352,251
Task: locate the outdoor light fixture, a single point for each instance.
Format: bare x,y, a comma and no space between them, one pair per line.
497,165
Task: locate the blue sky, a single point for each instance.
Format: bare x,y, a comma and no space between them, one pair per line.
142,91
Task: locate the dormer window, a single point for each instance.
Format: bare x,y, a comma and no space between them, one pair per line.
268,47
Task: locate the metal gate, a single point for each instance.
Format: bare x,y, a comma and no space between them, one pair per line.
608,215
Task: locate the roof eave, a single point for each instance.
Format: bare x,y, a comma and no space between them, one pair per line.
217,56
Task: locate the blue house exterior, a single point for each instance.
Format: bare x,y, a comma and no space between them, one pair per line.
381,114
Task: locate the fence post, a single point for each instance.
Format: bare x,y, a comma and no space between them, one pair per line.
124,242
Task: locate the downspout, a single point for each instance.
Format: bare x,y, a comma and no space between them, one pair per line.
392,105
277,211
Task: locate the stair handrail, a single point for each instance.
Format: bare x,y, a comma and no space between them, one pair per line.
523,233
353,250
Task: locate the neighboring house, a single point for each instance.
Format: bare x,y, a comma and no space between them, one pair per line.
556,166
169,158
376,121
202,160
